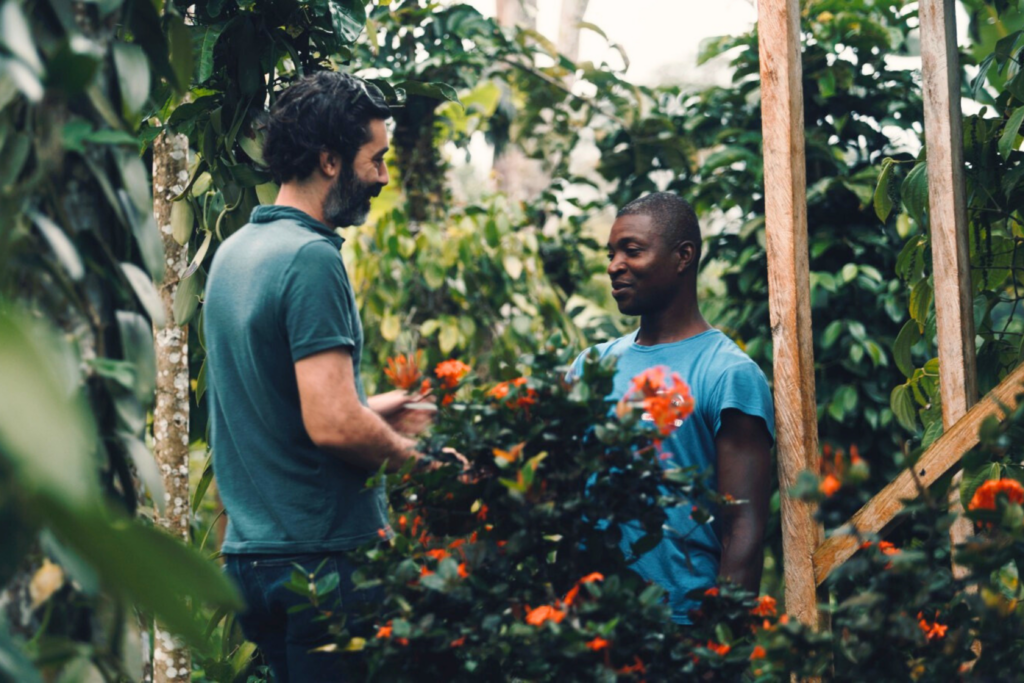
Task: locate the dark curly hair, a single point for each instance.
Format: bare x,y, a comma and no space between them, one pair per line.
327,110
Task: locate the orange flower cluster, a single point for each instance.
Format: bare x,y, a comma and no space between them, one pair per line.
835,466
719,649
667,404
933,630
385,632
539,615
765,607
597,644
524,397
985,497
637,667
451,372
404,371
758,653
570,597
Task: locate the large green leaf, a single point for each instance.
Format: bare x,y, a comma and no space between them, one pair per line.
902,402
207,39
146,291
132,75
61,245
348,17
1009,136
146,467
186,298
16,36
137,349
148,566
180,43
882,200
905,340
46,434
914,191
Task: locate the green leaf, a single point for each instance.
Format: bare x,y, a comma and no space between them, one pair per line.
132,75
146,467
902,402
146,292
138,350
186,298
831,334
180,44
449,336
182,221
905,340
22,77
921,302
434,90
348,17
883,202
914,191
47,437
1009,136
14,663
16,35
197,260
201,382
61,245
207,42
204,483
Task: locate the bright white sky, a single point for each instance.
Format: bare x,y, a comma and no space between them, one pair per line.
659,36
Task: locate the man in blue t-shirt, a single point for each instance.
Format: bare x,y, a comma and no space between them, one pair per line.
654,249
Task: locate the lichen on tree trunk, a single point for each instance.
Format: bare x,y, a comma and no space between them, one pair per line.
171,660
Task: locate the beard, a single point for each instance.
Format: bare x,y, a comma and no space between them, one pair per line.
348,201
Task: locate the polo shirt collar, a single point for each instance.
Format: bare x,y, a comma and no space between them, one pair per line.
272,212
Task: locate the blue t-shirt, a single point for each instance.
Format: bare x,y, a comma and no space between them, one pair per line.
720,376
277,293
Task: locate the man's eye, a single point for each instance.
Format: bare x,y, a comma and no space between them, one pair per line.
632,252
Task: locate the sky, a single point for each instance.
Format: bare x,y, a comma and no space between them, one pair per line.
660,37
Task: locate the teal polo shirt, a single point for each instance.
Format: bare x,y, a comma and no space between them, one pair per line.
278,292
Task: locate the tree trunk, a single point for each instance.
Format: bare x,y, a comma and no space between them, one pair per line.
569,29
420,166
171,660
513,170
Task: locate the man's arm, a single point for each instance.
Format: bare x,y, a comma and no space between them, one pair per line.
744,472
337,422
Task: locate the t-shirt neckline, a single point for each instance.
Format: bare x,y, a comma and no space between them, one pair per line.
275,212
668,345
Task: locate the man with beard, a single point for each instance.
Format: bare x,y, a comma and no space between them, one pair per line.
293,435
653,252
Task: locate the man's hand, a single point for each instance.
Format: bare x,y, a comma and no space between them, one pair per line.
394,407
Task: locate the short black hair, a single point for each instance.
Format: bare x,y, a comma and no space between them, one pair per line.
326,110
672,216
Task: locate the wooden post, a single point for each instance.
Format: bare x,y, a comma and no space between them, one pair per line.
954,307
782,115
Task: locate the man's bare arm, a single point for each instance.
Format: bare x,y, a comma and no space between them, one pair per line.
337,422
744,472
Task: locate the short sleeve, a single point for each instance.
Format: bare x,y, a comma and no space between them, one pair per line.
743,387
316,302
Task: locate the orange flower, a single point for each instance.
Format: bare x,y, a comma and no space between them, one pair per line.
458,642
985,497
758,653
887,548
636,667
524,399
382,532
544,613
438,554
933,630
765,607
784,619
510,455
402,522
719,648
590,578
404,371
424,571
384,631
482,513
570,597
829,485
451,372
667,405
712,592
597,644
463,572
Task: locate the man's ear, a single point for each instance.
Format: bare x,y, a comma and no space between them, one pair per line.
330,164
688,255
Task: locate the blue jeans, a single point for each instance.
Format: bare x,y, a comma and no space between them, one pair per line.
287,640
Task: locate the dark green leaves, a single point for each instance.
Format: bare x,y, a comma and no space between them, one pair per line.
1007,141
915,191
348,18
905,340
882,198
207,41
132,76
437,91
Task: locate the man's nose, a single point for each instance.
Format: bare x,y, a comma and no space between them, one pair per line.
382,175
615,266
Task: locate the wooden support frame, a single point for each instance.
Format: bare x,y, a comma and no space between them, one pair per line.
944,454
789,293
954,306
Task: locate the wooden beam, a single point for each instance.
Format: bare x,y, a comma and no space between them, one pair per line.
782,113
954,306
936,461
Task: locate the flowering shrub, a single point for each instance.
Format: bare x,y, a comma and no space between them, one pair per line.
513,570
